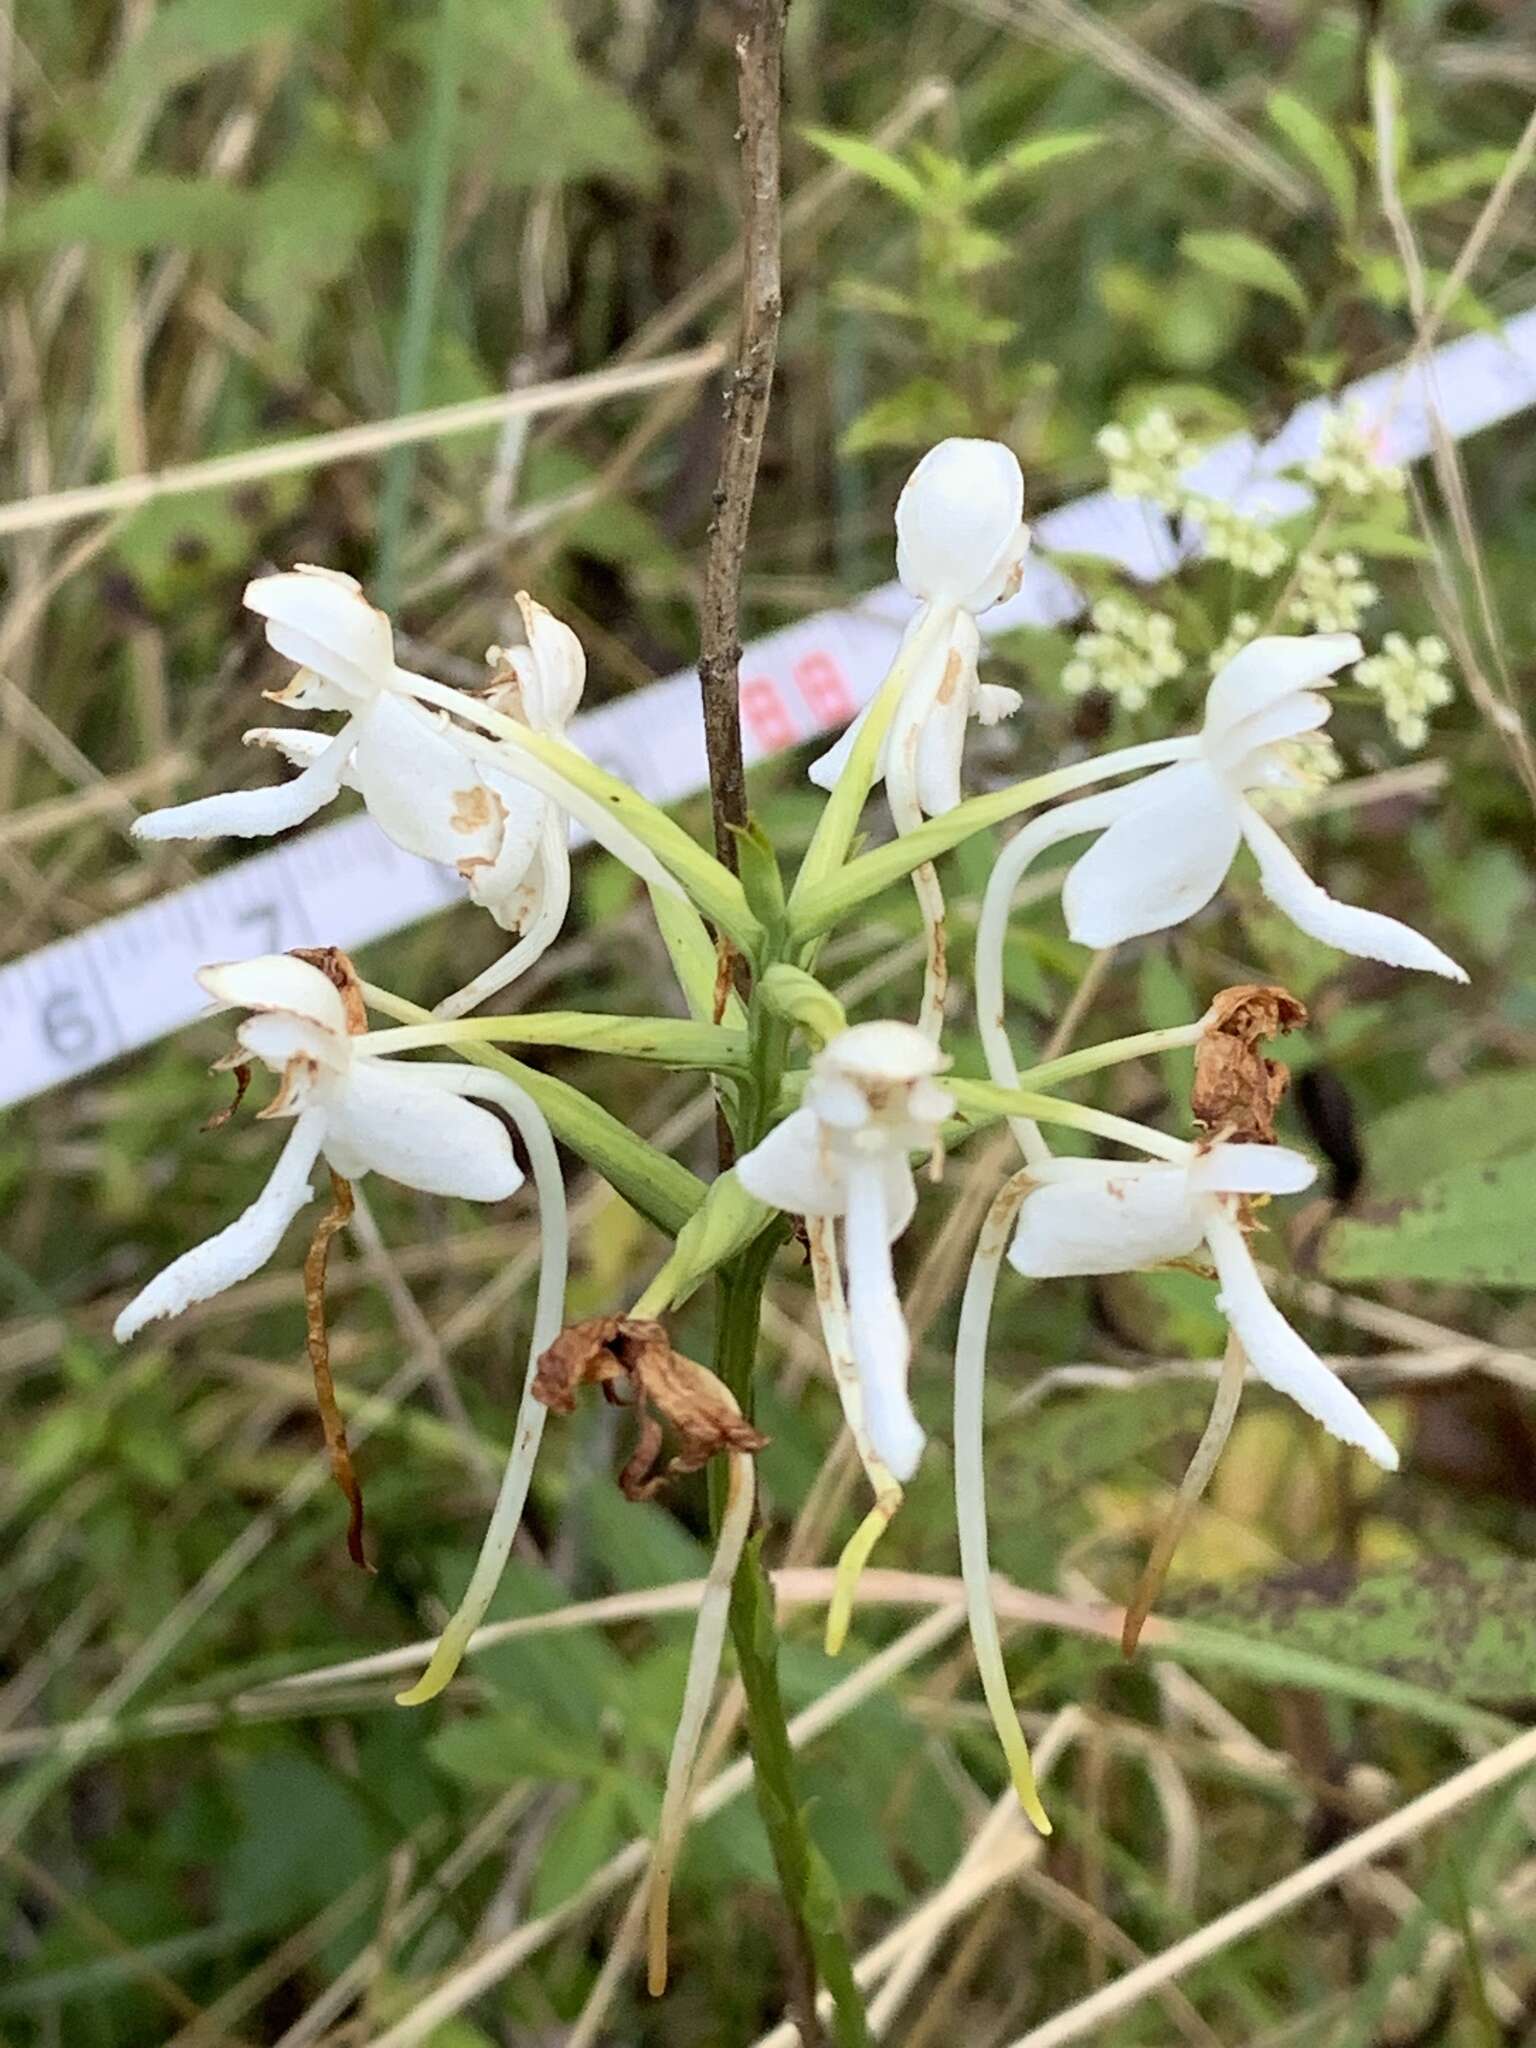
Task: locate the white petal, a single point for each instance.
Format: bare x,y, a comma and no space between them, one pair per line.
277,981
827,767
509,885
960,533
1240,756
994,703
1162,859
322,621
899,1185
1237,1169
941,742
295,1048
881,1345
242,1247
1278,1355
253,813
1270,668
879,1053
399,1121
551,669
1366,933
1125,1219
420,787
299,746
794,1169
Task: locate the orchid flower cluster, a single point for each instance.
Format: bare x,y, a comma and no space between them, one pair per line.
836,1143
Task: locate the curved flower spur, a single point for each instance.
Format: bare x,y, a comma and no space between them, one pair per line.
427,784
960,547
363,1112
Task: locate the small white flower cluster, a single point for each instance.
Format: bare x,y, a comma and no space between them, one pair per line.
1410,679
1145,460
1127,655
1230,536
1347,460
1241,628
1301,767
1332,593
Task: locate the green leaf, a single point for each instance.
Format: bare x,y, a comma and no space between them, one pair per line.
923,410
185,37
1319,147
503,1748
302,1840
1042,151
1472,1226
1386,543
149,211
1475,1124
578,1844
726,1222
868,160
1452,177
1461,1627
1240,259
534,114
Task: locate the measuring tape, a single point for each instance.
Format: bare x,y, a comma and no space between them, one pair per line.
86,999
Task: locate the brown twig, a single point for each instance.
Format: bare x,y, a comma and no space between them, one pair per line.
759,49
335,1218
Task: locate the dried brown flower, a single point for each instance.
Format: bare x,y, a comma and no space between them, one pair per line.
337,968
615,1352
1237,1089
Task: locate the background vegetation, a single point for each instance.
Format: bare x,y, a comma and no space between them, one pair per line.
229,222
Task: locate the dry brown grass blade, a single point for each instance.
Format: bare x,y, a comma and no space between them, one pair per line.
336,1218
1213,1441
316,451
1085,2020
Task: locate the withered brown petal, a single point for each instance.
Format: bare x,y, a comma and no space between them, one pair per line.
665,1386
242,1073
331,1420
338,970
1236,1089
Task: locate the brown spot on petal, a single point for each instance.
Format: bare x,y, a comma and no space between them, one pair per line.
476,809
953,669
1237,1090
626,1355
338,970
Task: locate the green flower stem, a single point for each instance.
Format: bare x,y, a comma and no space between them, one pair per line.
828,850
666,1040
993,1102
662,1189
810,1893
1090,1059
815,908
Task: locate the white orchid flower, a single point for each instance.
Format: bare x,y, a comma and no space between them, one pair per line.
960,547
364,1112
871,1101
1091,1216
426,783
1173,835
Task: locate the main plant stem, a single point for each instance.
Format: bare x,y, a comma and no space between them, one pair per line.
759,48
819,1949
